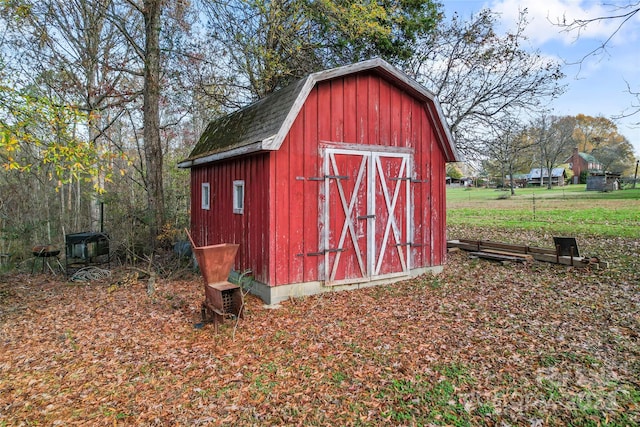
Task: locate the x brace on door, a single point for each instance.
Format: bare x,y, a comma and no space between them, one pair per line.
343,206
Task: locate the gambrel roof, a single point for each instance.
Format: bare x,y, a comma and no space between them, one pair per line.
263,125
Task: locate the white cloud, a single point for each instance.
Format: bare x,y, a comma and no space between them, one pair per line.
597,84
544,15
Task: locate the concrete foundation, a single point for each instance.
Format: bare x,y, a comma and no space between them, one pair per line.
276,294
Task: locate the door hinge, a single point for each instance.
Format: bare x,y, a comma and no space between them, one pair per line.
326,251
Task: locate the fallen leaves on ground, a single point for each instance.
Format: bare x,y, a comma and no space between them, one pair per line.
480,344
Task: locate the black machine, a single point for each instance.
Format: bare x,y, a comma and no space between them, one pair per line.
84,249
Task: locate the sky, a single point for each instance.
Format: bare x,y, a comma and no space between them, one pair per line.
597,86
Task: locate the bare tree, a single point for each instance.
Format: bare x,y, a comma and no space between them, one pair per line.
553,137
617,157
507,148
128,18
71,49
634,108
621,15
481,77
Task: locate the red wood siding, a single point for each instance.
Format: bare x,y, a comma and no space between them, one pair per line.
220,225
295,201
363,110
281,231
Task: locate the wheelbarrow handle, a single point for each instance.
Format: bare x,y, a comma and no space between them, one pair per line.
190,239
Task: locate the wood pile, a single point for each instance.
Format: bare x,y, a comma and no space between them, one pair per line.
506,252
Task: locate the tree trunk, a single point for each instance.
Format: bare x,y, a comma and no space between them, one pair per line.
152,145
511,181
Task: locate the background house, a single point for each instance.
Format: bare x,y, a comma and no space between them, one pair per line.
519,180
334,182
540,176
583,163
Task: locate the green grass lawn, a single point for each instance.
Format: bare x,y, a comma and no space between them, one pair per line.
566,210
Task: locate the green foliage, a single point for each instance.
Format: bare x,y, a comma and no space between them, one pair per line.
431,401
364,29
454,171
38,133
276,42
583,177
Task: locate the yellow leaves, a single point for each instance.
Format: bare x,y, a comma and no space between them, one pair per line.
41,133
9,146
9,143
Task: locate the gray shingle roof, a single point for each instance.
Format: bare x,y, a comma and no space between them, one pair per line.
249,125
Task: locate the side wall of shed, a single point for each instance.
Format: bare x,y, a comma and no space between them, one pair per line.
362,109
220,225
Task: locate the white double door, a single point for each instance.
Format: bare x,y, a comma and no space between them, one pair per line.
366,223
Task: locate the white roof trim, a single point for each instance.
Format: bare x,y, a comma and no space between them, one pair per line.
276,141
252,148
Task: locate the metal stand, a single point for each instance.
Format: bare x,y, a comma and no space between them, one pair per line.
45,253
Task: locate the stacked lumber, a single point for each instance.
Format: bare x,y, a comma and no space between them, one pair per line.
507,252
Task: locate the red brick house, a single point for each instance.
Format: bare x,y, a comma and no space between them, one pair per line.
583,162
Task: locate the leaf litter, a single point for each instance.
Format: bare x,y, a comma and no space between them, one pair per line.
482,343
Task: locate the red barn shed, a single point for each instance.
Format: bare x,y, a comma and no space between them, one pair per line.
334,182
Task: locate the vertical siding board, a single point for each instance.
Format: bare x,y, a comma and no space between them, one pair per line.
419,205
395,121
252,203
312,218
323,118
385,114
222,213
225,217
272,221
373,113
336,100
407,136
439,203
193,218
296,200
324,112
362,109
263,230
427,144
350,109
